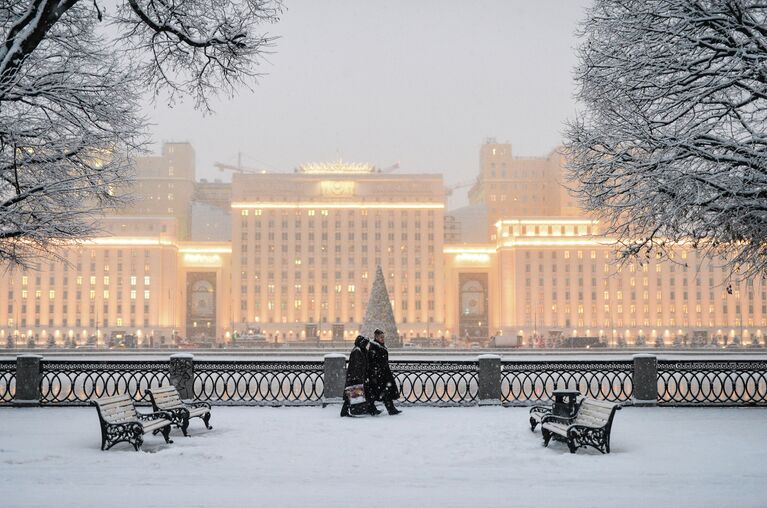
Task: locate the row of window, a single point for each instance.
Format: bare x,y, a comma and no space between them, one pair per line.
324,212
38,294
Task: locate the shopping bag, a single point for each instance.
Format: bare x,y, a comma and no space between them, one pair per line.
355,394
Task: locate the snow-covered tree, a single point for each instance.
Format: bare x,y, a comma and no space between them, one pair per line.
71,77
672,144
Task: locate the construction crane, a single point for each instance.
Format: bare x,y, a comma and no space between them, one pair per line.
391,169
450,188
238,168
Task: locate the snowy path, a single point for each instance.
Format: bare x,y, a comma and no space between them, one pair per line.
267,457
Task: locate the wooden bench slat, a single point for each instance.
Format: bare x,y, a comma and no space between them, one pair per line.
120,422
167,398
590,427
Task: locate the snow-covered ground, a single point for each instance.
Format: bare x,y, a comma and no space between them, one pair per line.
479,456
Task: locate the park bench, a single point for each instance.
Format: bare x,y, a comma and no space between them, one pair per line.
166,398
121,422
590,427
537,412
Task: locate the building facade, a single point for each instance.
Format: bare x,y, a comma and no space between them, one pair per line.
296,259
305,247
164,186
547,279
511,186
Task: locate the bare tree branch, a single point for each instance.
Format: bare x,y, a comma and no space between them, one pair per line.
672,145
69,100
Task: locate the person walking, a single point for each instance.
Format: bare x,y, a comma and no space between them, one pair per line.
357,392
383,386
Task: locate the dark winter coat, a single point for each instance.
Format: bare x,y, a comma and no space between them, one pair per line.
357,370
381,378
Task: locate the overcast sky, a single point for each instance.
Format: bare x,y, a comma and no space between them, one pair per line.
422,83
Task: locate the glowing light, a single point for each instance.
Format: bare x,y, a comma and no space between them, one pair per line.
555,222
205,250
212,260
128,241
561,243
469,250
337,188
468,257
335,167
319,204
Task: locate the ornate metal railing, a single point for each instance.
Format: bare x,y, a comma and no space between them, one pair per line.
75,383
259,382
425,382
525,382
437,382
712,382
7,381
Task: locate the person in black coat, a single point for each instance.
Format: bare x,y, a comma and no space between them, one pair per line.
356,374
383,387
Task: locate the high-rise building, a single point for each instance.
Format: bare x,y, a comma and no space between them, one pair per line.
305,247
164,186
512,186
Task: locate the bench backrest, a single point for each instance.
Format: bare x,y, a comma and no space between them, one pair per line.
595,413
166,397
117,409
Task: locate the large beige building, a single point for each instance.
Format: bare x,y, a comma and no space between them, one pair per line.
306,245
546,279
297,257
138,281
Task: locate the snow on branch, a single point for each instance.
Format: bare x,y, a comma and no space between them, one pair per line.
672,144
69,100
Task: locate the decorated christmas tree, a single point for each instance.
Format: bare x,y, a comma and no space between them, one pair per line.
379,313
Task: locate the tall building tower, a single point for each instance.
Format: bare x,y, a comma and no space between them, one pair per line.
305,247
164,186
520,186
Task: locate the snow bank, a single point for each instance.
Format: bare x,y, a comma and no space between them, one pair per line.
702,457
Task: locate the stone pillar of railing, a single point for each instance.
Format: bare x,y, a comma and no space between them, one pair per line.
29,372
334,380
182,374
489,380
645,380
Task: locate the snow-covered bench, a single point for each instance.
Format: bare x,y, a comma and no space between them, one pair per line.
590,427
121,422
537,412
166,398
